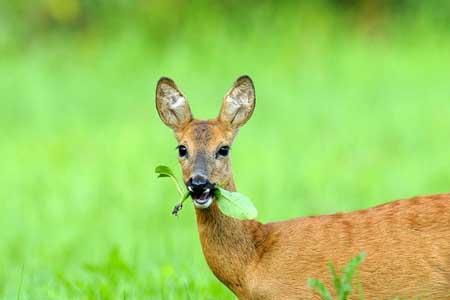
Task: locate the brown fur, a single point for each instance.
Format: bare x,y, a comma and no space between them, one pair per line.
407,242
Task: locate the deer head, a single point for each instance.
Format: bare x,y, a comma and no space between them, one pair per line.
204,145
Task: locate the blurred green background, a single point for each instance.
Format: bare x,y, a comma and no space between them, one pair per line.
353,110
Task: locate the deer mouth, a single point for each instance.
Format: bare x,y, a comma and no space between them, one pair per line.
204,199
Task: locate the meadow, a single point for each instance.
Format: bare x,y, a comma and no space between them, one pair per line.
345,119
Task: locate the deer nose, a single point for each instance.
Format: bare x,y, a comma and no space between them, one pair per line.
198,184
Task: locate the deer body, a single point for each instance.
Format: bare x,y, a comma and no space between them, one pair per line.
407,242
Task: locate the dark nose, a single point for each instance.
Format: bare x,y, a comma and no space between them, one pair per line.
198,184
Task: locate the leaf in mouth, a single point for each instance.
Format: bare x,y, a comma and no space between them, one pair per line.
165,171
232,204
235,205
179,206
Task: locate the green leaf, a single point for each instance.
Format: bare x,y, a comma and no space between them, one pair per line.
348,273
235,205
230,203
336,278
343,283
320,288
165,171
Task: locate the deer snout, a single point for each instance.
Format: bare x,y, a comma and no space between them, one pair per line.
198,184
201,190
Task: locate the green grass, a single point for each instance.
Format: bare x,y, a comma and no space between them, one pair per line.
343,283
343,121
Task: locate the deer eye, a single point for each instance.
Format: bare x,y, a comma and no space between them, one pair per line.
223,151
182,150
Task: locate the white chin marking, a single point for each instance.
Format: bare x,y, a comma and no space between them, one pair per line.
203,203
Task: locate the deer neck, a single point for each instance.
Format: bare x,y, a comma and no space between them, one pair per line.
229,245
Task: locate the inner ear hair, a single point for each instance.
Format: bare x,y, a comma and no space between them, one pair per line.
171,104
239,102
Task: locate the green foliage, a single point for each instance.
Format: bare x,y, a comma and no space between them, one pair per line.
232,204
320,288
235,205
165,171
23,21
342,283
351,112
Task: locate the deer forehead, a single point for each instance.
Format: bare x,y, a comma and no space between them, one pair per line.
207,135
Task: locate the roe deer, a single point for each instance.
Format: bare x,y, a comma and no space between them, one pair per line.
407,242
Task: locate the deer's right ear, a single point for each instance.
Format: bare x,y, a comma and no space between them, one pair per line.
171,104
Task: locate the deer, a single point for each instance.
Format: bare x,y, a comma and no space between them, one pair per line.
406,242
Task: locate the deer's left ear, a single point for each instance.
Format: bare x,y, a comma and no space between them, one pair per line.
172,105
239,103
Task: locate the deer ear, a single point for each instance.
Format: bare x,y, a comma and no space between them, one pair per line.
239,103
171,104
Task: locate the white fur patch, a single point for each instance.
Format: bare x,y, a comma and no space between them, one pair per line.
202,205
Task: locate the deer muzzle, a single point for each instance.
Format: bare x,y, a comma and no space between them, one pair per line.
201,190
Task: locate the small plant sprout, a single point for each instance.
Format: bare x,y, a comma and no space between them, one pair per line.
164,171
232,204
342,283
